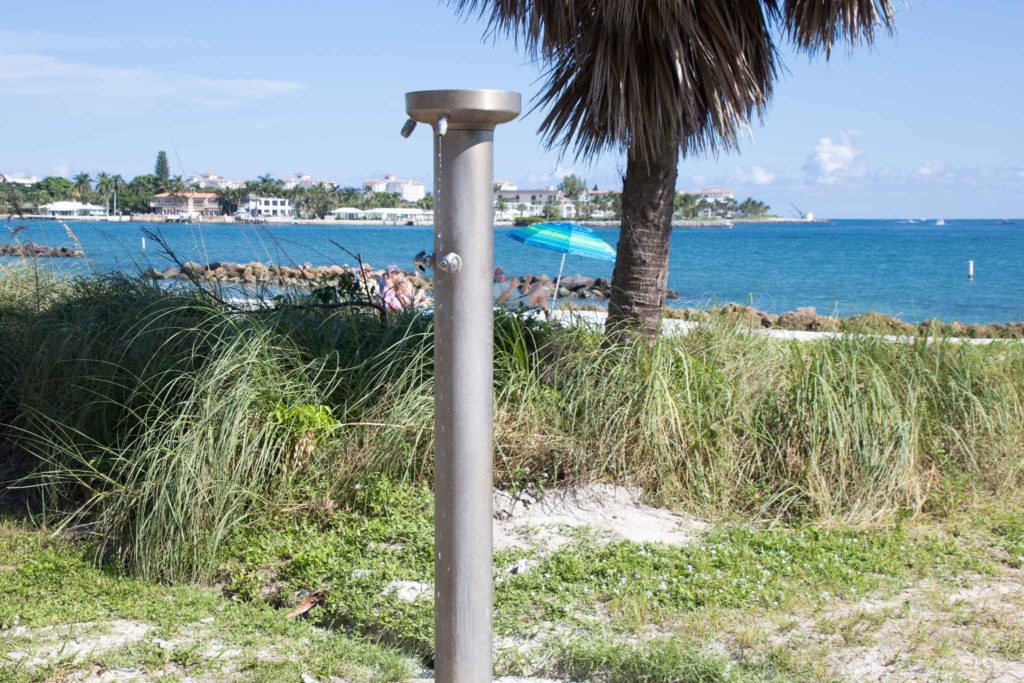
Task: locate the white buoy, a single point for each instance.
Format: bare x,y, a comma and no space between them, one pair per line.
970,269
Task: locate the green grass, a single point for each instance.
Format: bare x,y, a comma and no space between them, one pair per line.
47,582
605,590
657,661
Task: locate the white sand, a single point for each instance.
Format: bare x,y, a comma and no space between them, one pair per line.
613,512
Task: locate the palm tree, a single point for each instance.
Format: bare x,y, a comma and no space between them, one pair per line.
116,185
176,186
82,186
660,78
230,199
103,187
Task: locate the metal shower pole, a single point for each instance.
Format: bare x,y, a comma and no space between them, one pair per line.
463,122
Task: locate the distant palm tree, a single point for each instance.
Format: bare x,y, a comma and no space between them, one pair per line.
347,196
116,185
82,186
230,199
176,186
103,188
656,79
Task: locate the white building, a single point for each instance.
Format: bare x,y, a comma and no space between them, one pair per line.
18,179
548,195
305,181
267,208
408,190
348,213
208,179
531,203
714,194
68,209
400,216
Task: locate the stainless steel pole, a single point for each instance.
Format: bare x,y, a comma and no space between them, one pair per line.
463,123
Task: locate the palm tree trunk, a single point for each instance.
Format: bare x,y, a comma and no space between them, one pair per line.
641,267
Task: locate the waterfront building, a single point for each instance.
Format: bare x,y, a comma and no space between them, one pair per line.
548,195
18,179
348,213
305,181
210,180
69,209
400,216
188,204
408,190
267,208
714,194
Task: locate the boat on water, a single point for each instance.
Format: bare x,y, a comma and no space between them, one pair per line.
1006,221
940,221
184,217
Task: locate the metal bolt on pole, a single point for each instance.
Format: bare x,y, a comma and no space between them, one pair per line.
463,122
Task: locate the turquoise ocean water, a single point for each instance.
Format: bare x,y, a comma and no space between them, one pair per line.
912,270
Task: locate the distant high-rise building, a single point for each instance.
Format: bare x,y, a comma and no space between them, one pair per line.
408,190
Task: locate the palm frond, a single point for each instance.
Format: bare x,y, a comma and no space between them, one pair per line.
817,25
640,74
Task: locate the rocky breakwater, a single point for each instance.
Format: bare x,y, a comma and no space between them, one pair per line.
574,286
309,276
305,275
37,250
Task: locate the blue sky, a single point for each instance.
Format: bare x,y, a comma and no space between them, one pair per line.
926,123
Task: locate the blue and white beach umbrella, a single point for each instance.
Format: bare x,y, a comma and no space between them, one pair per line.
567,238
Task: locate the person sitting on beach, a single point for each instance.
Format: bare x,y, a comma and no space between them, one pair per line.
403,289
369,284
504,287
389,290
535,298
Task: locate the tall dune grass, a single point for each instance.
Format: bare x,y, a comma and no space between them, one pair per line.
159,421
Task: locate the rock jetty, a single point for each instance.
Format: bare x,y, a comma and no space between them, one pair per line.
255,273
35,250
307,275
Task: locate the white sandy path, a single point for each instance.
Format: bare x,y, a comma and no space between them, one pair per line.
73,642
614,512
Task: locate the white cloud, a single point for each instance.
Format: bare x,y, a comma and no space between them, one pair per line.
553,177
562,171
757,175
932,167
832,161
35,75
1020,174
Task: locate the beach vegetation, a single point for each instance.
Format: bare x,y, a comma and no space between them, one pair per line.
283,452
176,415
